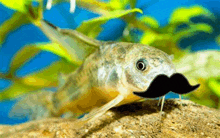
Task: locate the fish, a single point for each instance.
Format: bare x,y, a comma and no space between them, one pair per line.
108,75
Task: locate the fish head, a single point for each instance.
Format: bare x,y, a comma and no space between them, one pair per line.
143,64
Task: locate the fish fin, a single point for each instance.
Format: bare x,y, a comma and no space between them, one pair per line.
75,43
71,115
95,113
35,106
62,80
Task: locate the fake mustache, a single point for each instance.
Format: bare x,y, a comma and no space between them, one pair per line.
162,85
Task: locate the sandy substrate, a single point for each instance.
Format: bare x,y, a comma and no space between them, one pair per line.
137,120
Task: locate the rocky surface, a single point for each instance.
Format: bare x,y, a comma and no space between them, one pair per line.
137,120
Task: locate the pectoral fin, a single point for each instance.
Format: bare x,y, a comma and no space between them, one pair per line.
62,80
95,113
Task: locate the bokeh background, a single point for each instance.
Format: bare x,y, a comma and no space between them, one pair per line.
59,15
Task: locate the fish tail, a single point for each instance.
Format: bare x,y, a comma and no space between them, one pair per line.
35,106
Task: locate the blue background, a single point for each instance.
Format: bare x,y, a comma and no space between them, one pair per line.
60,16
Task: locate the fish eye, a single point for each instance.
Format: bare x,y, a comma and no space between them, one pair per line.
141,64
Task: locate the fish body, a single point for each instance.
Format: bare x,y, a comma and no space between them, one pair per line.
99,79
107,77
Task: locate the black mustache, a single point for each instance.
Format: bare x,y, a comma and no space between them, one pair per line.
162,85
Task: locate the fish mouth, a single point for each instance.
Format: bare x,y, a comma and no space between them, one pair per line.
162,84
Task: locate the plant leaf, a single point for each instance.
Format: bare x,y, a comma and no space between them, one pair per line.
45,78
152,22
183,14
204,64
92,25
11,24
149,37
133,3
95,6
18,5
48,77
54,48
214,85
203,95
15,90
22,56
218,39
118,4
163,42
200,27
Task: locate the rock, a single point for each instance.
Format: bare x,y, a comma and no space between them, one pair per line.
137,120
